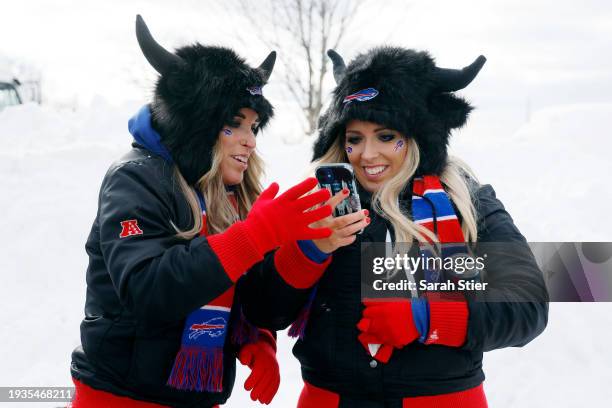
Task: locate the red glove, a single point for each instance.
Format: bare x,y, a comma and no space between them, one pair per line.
270,223
274,221
261,359
448,317
390,322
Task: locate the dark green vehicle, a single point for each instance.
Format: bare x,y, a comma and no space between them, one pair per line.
9,95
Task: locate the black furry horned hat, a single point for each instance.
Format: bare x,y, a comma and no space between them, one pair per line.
404,90
200,89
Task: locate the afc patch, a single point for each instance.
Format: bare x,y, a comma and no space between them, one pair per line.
130,228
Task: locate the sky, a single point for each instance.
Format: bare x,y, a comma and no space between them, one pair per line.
540,53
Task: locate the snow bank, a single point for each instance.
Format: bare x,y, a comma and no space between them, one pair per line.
551,175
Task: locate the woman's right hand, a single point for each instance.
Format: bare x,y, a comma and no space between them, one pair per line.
343,228
273,220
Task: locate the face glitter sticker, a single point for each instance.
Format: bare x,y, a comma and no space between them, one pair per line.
255,90
227,132
349,149
398,145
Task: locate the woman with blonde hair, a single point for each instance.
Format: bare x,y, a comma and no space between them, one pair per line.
181,233
390,118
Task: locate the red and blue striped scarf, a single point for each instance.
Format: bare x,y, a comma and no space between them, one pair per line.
432,209
198,366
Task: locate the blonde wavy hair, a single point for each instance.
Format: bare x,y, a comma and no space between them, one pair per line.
220,212
386,200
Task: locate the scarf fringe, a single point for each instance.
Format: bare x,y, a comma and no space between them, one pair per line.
298,327
242,331
197,369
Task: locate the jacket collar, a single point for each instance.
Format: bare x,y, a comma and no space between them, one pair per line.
140,127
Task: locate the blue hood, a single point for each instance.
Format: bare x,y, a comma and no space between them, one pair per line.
144,134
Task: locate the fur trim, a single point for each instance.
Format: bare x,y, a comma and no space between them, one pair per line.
407,102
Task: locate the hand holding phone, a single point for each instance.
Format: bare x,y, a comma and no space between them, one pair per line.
344,228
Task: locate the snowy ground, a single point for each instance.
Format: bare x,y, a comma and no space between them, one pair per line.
548,61
550,174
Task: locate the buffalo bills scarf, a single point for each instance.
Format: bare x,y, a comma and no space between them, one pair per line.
432,209
198,366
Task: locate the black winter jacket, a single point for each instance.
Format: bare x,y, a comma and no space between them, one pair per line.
140,289
332,358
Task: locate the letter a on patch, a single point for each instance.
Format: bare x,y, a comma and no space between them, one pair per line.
129,228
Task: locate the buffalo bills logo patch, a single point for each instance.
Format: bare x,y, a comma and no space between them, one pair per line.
212,328
361,96
130,228
255,90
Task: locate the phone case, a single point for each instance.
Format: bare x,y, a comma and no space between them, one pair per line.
335,177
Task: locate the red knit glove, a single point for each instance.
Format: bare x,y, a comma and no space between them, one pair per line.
274,221
390,322
261,359
448,317
270,223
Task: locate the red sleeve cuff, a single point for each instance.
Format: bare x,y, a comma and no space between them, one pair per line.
296,268
448,317
235,250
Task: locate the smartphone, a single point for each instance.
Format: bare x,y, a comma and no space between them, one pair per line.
335,177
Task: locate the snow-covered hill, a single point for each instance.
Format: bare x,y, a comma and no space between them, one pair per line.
551,174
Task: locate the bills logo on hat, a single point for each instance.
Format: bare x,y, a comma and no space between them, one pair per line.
255,90
361,96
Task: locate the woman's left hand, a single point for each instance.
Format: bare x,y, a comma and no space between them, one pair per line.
265,375
390,322
343,228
